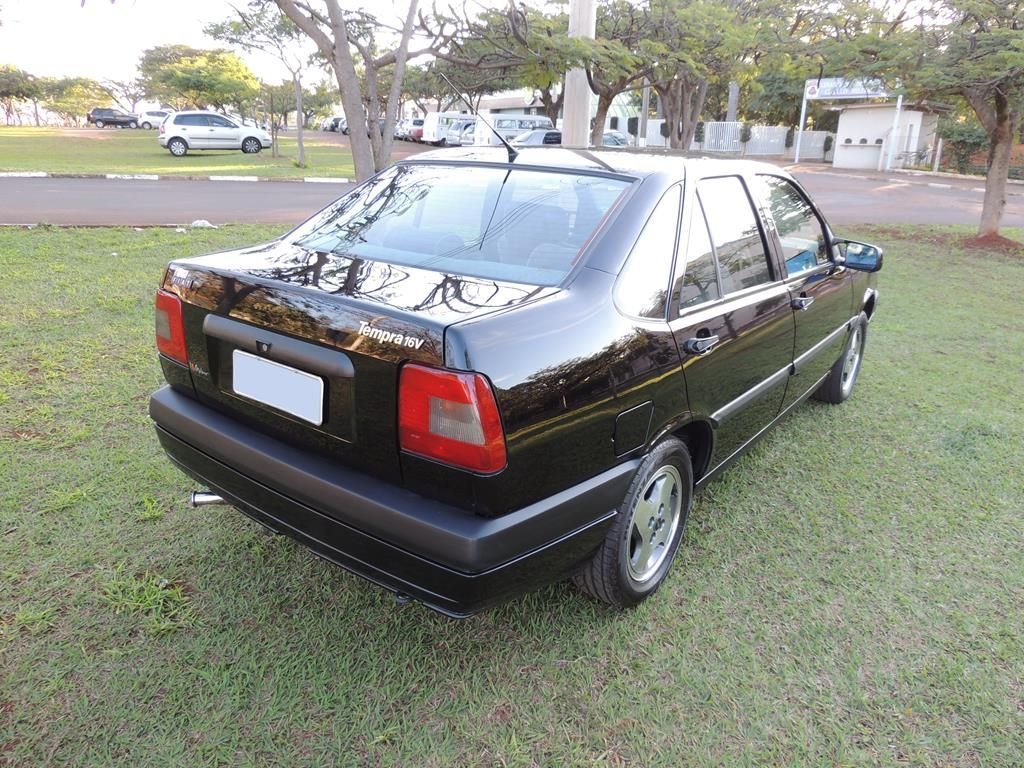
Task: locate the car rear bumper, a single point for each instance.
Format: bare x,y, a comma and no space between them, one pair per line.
445,557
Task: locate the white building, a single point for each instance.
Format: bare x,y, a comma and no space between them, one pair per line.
866,138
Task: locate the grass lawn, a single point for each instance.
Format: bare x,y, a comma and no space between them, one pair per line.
113,150
849,594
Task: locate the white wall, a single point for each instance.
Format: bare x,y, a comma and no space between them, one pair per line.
864,135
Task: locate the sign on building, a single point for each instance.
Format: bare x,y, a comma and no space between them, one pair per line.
841,88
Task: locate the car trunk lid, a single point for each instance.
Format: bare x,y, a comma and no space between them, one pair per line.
307,345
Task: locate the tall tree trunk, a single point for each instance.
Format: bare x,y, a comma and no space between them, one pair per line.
552,104
299,119
1000,121
395,95
604,103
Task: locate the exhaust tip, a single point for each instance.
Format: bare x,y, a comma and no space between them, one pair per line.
204,499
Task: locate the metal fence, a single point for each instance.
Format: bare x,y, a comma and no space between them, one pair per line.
812,146
765,140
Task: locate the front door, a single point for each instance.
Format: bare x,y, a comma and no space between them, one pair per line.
821,291
733,322
224,134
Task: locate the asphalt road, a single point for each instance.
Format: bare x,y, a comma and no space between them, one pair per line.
845,198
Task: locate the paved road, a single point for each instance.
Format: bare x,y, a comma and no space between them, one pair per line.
845,198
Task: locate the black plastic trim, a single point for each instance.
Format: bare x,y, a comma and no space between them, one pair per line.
284,349
428,528
821,346
734,406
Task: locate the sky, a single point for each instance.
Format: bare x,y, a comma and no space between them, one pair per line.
103,40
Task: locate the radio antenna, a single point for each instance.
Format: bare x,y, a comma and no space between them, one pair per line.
512,153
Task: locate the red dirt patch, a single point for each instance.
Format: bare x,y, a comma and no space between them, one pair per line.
995,243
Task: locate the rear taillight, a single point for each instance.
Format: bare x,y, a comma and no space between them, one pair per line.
170,330
163,130
450,416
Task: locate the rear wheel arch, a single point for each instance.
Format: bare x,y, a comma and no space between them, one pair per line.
696,434
699,438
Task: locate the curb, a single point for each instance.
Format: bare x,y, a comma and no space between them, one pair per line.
922,181
154,177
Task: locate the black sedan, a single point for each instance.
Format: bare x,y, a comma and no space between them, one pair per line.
477,373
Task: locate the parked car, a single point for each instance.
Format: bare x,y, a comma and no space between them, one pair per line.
539,137
186,131
402,129
102,117
472,376
416,130
608,139
152,118
512,125
457,131
338,124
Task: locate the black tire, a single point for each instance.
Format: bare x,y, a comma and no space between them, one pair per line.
133,125
99,123
620,573
177,147
146,126
838,386
251,145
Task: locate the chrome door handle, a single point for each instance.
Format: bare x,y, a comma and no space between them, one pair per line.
700,345
801,302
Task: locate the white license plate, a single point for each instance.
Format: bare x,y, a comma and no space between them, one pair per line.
296,392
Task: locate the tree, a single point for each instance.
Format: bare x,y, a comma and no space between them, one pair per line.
962,49
694,44
72,97
618,56
517,45
189,77
263,28
15,85
964,138
127,93
336,33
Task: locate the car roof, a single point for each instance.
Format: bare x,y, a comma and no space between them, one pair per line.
628,161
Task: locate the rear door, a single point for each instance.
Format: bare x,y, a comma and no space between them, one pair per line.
820,291
732,319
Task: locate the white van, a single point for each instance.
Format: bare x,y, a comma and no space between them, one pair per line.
436,125
510,126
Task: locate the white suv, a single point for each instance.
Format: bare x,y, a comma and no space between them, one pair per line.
207,130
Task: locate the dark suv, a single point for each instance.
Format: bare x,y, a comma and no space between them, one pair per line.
104,117
476,373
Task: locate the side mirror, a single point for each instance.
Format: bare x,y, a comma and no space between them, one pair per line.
860,256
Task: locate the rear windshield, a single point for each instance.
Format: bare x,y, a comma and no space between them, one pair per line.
498,224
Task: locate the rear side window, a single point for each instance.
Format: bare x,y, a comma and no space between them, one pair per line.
642,287
495,223
735,233
552,137
190,120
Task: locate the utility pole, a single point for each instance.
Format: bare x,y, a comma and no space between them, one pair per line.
734,102
576,109
645,107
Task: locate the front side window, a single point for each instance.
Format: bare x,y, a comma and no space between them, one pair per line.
642,287
804,245
495,223
735,233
